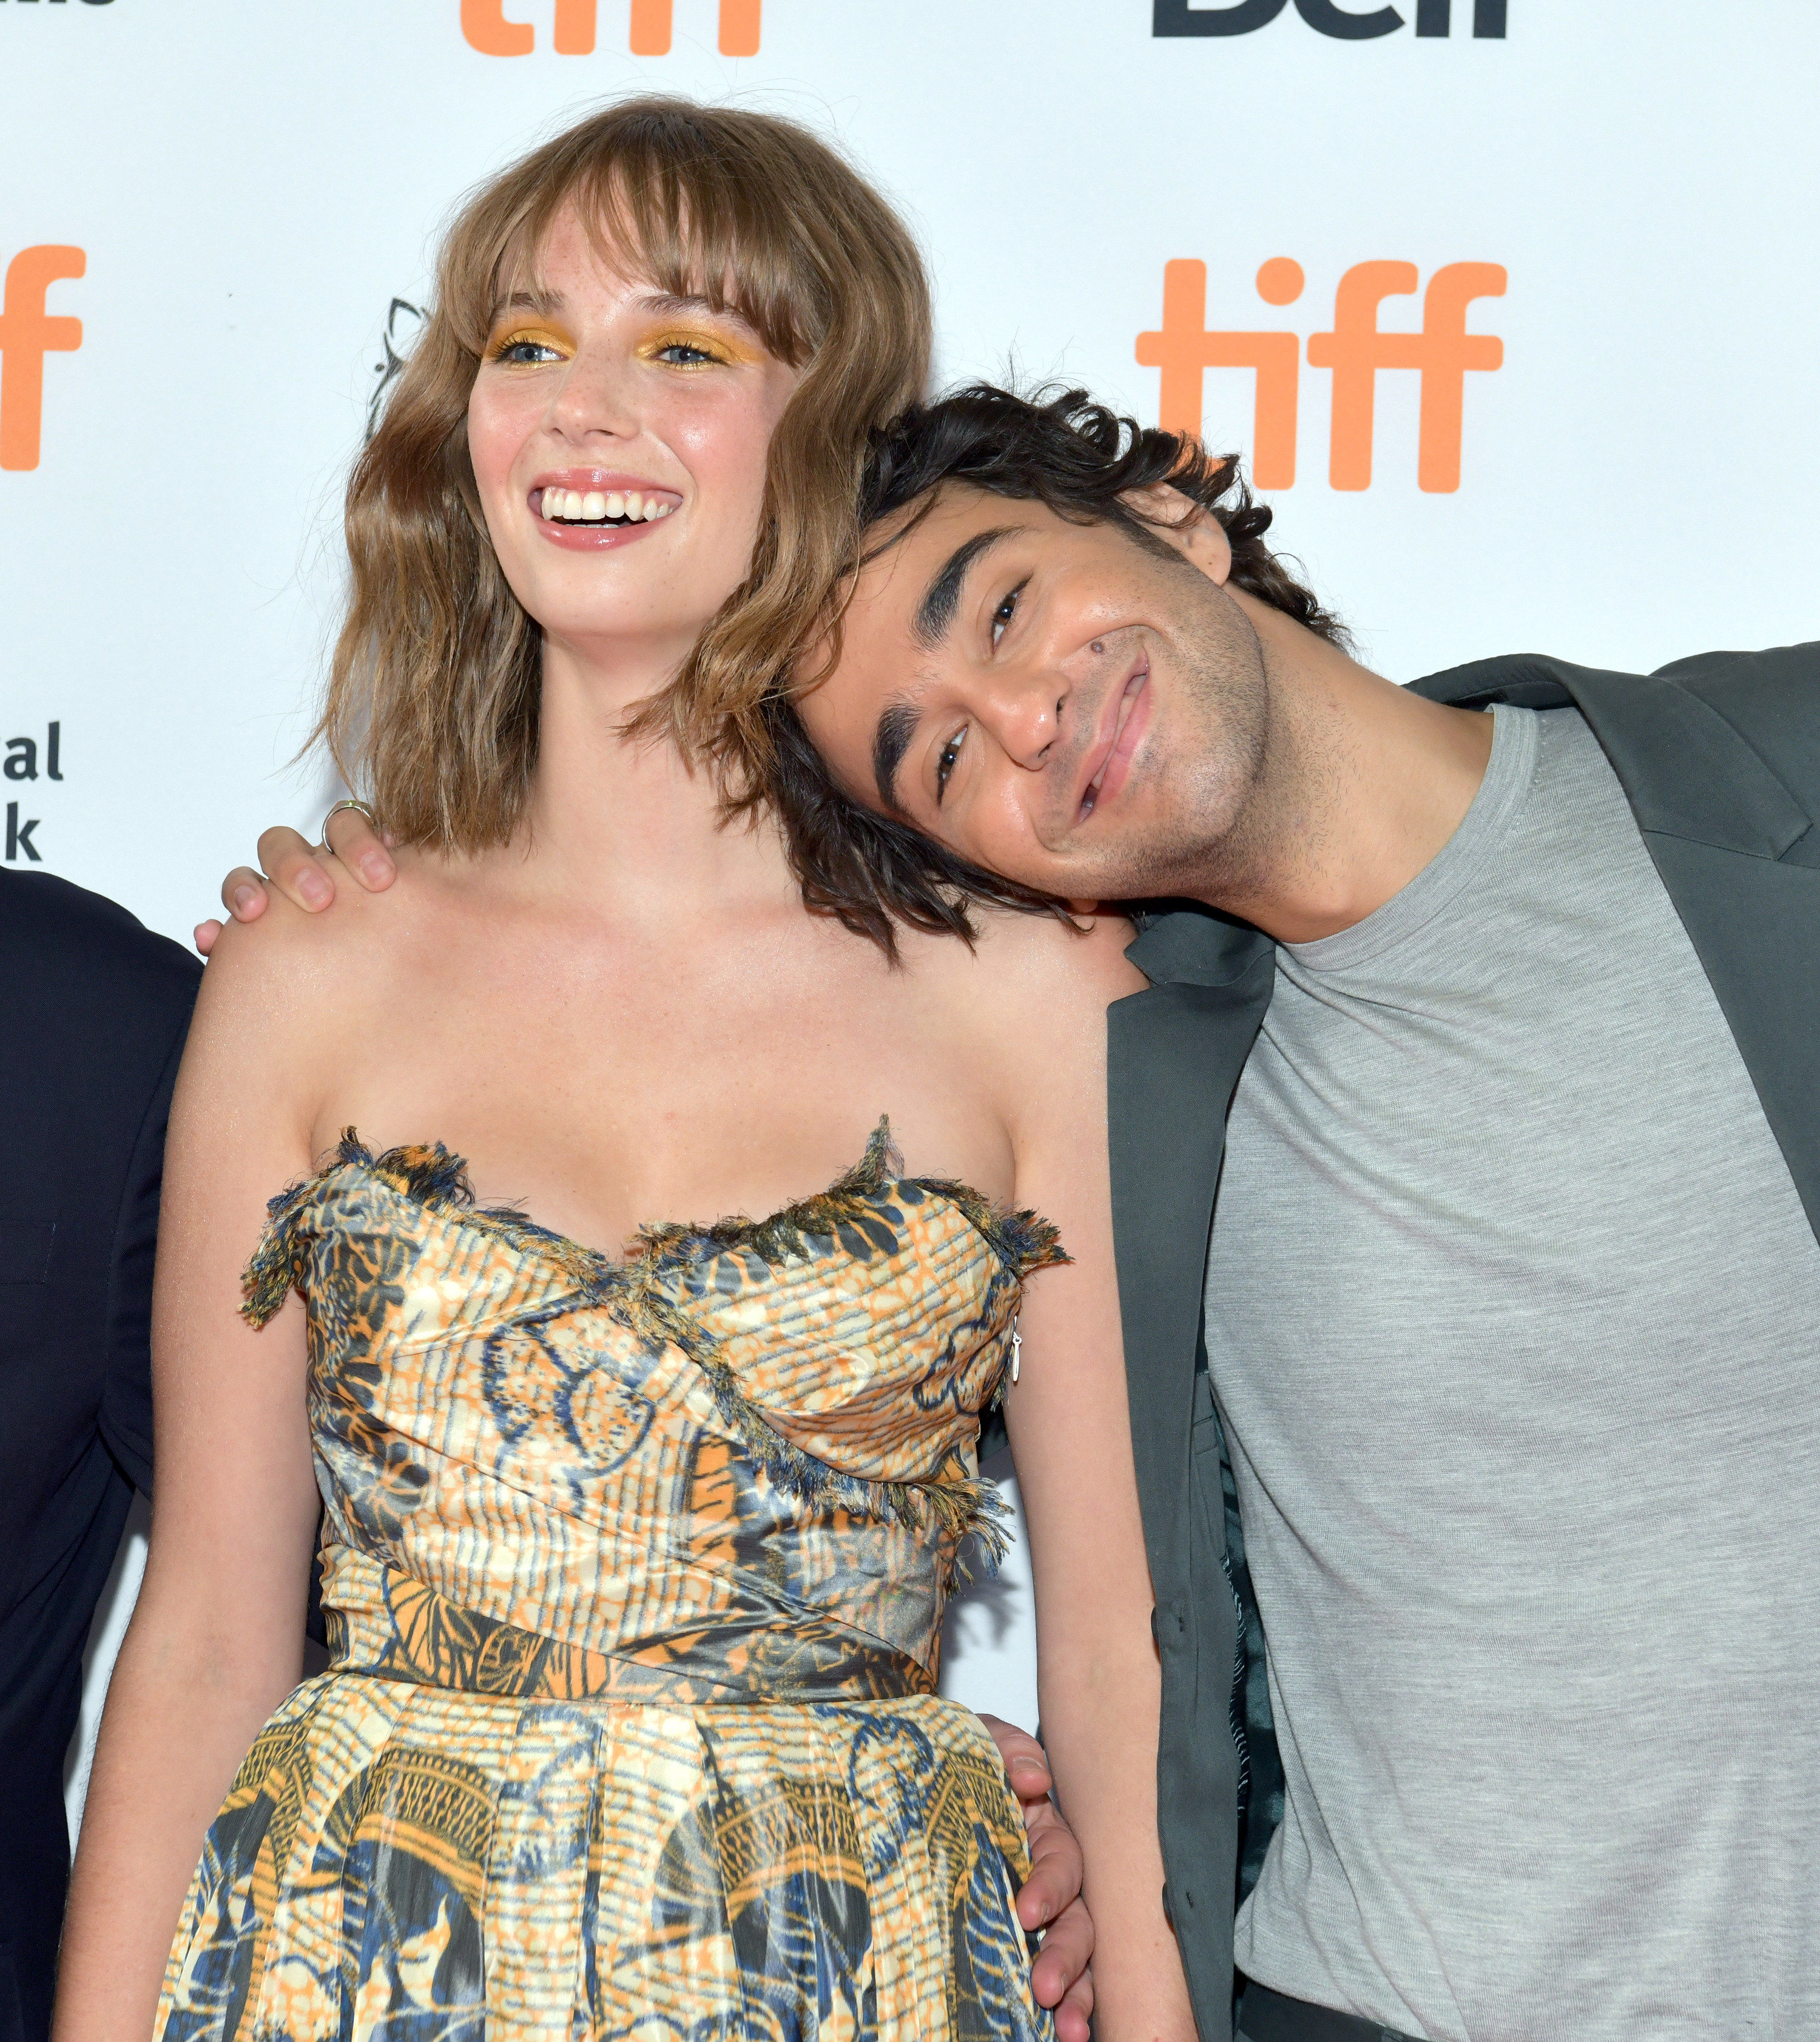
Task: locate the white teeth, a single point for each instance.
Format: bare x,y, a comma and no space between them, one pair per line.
633,505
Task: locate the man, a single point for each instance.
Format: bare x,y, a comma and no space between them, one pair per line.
1513,1290
1493,1032
96,1011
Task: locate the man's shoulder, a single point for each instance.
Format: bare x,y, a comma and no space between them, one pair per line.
1186,943
1780,685
1770,698
1789,672
60,942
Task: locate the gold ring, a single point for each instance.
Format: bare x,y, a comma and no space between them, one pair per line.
360,808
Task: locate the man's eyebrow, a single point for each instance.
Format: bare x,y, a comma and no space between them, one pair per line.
943,597
897,724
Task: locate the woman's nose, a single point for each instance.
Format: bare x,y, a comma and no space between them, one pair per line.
594,397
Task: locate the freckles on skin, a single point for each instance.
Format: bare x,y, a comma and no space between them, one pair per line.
596,374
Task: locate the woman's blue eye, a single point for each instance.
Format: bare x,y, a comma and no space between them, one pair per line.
677,350
524,351
945,764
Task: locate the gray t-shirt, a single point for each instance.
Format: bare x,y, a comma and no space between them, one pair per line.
1513,1316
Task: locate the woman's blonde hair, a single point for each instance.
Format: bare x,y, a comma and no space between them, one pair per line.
432,707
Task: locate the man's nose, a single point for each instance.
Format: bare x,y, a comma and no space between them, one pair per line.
1023,708
594,397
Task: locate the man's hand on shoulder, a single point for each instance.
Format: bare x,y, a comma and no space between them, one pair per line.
1049,1899
304,873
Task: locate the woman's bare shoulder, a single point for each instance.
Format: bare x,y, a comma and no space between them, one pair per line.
357,926
1077,964
1030,982
306,982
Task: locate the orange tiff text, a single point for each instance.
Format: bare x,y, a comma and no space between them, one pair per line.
1355,348
27,333
485,24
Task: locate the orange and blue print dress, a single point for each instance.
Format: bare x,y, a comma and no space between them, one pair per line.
634,1570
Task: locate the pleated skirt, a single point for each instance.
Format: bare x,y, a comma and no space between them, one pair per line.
415,1863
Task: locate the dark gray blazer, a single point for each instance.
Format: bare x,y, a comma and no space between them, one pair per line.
1720,756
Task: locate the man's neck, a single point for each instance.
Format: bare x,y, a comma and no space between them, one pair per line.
1364,783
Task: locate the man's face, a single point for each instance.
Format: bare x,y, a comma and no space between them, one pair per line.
1058,703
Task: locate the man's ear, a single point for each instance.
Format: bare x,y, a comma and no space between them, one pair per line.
1194,533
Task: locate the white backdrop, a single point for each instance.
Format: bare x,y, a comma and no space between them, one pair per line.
247,185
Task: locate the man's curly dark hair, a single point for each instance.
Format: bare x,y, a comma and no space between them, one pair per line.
1079,459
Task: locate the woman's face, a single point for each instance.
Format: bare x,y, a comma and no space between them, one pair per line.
618,440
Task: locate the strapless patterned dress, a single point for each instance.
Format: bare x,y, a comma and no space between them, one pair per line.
634,1572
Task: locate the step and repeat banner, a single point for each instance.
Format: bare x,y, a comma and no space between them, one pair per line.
1510,305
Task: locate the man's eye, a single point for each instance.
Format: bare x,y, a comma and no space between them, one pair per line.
1004,614
945,764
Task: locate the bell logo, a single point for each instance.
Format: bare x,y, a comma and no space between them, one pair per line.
1345,24
484,24
1355,350
27,334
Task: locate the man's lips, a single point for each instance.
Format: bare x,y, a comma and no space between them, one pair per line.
1108,764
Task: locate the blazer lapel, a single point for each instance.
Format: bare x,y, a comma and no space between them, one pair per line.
1174,1055
1738,850
1732,844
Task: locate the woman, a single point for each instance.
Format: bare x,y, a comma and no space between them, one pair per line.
638,1532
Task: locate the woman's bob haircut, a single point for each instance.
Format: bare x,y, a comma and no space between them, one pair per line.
432,707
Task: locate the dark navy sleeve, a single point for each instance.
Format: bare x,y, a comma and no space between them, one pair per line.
125,1416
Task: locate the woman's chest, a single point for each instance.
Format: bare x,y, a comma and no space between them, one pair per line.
606,1100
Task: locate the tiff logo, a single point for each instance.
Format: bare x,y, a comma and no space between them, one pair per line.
27,333
1240,18
1183,348
484,24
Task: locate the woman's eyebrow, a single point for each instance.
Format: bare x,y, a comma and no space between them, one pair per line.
670,304
527,299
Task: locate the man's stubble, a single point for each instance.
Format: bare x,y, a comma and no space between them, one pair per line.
1221,782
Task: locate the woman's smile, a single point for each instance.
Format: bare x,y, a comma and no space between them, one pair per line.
585,509
604,406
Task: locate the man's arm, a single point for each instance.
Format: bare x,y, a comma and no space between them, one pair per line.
125,1416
